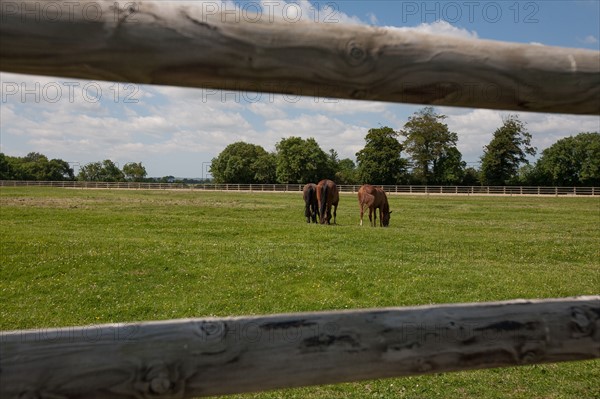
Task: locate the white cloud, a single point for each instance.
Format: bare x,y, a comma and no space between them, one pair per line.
163,120
438,28
475,127
372,18
304,10
590,39
339,106
179,127
329,132
267,110
267,11
548,128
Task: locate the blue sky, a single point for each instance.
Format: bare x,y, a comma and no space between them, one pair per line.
177,131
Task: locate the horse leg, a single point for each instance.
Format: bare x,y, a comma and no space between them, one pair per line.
362,211
380,217
334,214
370,216
375,217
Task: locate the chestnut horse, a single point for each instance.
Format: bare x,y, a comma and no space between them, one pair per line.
327,196
309,193
374,197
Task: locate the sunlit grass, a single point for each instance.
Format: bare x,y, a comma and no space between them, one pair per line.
77,257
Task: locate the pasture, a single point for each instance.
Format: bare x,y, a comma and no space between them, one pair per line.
80,257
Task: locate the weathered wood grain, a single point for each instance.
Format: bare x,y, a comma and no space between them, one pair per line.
200,357
186,44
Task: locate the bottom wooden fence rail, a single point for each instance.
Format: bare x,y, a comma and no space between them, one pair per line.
201,357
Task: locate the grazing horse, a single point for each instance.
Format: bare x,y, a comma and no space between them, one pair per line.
327,196
311,204
374,197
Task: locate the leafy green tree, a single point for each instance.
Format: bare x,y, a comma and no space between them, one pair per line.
36,166
58,170
449,168
90,172
14,168
242,163
346,172
508,149
134,171
112,172
380,162
471,177
265,168
106,170
572,161
429,142
6,168
529,175
302,161
334,160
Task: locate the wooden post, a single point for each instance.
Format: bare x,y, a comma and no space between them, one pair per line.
203,357
195,48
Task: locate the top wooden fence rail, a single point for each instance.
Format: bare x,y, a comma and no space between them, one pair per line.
397,189
181,43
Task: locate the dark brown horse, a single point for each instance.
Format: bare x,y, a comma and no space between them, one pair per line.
327,196
373,198
310,202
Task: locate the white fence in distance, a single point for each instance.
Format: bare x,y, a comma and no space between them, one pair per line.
391,189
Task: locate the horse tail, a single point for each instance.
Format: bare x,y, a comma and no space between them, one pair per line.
307,194
306,208
312,208
323,204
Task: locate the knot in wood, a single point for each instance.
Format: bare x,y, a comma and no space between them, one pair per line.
210,330
356,53
359,94
160,384
158,380
581,324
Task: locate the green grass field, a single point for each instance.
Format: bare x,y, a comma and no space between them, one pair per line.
80,257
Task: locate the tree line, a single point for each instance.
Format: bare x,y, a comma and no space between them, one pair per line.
424,151
431,157
36,166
